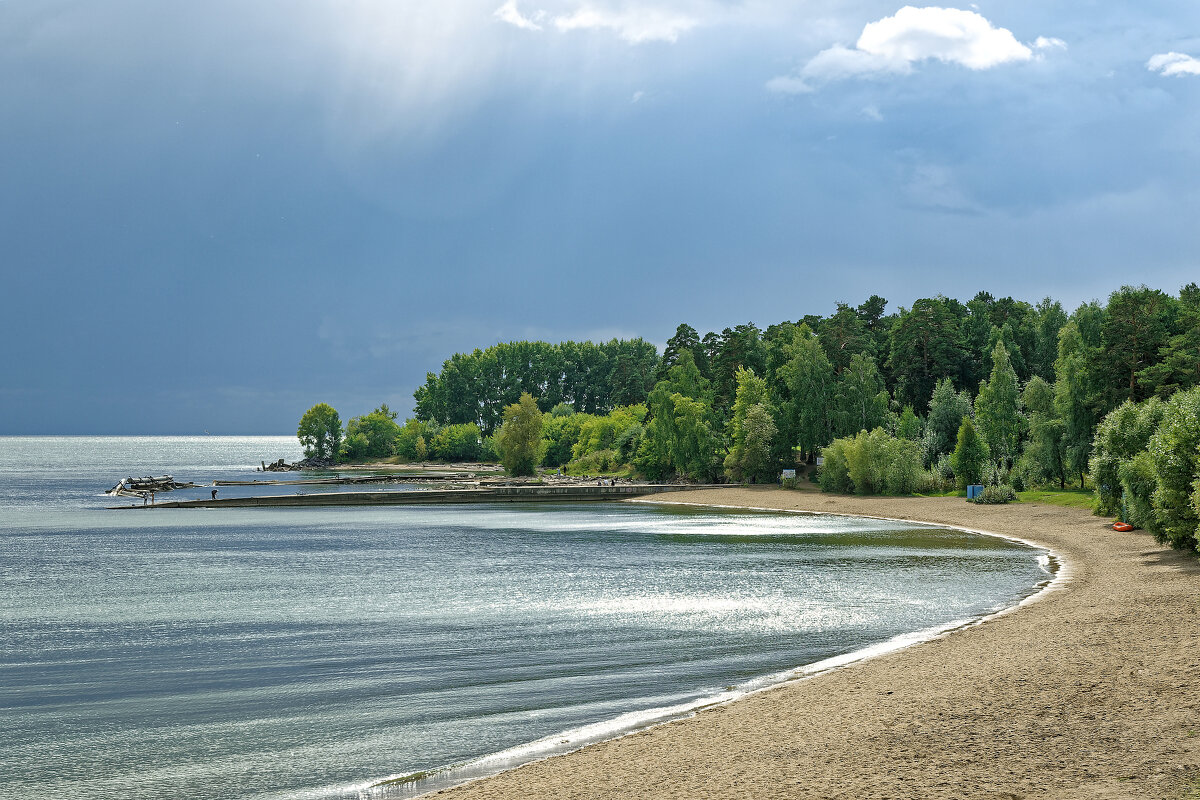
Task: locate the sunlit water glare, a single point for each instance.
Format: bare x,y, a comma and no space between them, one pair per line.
280,653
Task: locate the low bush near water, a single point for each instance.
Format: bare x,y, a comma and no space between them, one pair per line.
872,463
594,463
995,495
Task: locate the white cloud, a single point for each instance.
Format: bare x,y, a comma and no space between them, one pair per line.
1049,43
1174,64
894,44
843,62
512,15
947,34
788,84
634,25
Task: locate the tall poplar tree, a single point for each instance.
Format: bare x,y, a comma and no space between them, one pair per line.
1074,398
752,430
809,376
1046,454
998,408
862,402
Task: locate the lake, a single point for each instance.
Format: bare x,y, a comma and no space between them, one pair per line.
313,653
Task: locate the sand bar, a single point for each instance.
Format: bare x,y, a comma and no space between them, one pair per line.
1091,692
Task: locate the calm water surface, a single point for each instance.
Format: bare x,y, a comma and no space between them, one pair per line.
288,653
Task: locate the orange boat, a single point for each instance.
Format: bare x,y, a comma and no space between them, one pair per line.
1122,526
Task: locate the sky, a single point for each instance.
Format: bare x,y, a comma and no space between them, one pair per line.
215,215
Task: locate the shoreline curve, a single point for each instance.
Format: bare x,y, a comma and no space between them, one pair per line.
969,715
564,743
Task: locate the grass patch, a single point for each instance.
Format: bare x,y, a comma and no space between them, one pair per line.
1070,498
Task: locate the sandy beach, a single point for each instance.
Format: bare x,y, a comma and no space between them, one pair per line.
1092,691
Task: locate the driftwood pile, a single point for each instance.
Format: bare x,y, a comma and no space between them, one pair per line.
307,463
144,487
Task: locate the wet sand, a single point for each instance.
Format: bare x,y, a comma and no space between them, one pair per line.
1092,691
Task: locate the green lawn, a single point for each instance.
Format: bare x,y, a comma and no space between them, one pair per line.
1071,498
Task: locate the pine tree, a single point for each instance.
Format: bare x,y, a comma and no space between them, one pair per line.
970,456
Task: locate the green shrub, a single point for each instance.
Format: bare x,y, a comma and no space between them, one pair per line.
372,436
1146,467
628,442
835,472
594,463
933,482
354,448
1138,481
995,495
560,433
603,433
872,463
407,438
866,458
1121,435
1175,448
943,468
903,475
456,443
994,474
1196,499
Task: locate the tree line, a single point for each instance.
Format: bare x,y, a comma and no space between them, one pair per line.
993,390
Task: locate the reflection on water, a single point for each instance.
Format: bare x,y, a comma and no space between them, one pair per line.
309,652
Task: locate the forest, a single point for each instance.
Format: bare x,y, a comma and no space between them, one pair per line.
993,391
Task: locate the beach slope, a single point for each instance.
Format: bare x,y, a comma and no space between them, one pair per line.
1092,691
